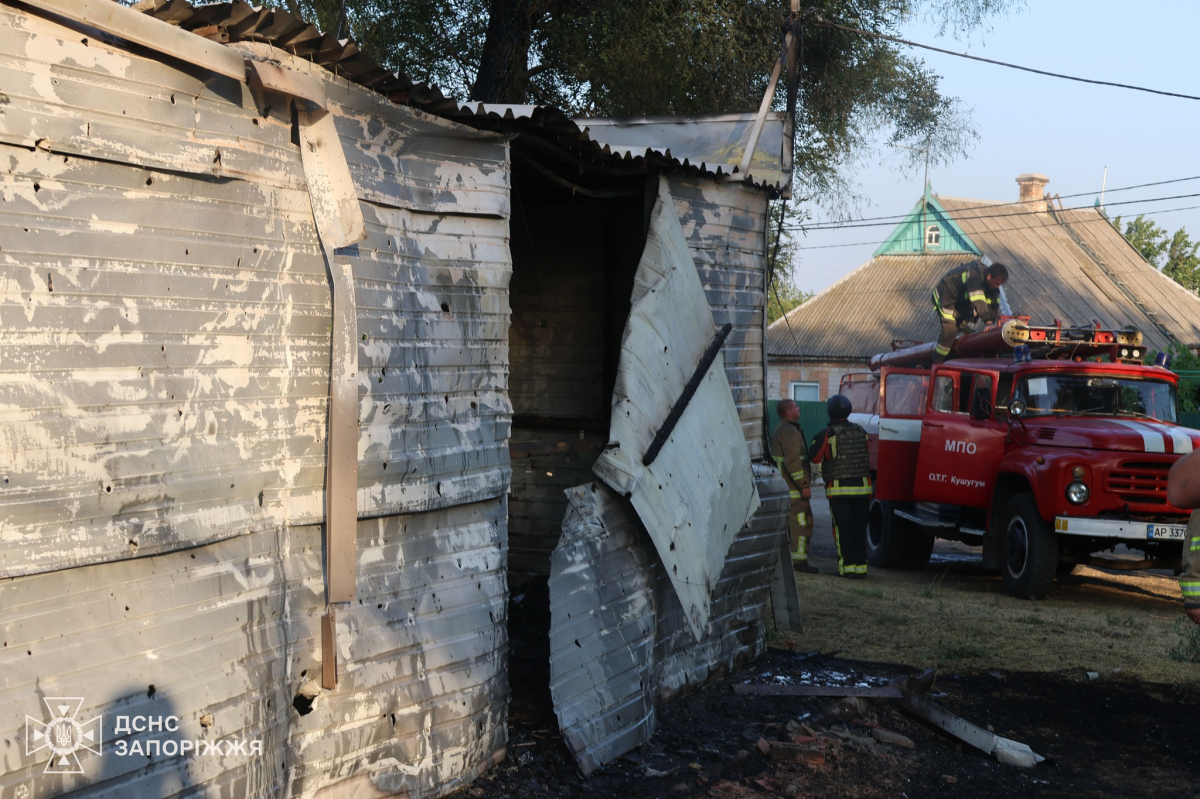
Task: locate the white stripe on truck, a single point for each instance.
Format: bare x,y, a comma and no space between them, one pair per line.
1152,440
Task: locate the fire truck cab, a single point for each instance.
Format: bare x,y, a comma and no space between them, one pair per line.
1042,462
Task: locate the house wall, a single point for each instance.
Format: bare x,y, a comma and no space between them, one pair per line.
783,371
166,315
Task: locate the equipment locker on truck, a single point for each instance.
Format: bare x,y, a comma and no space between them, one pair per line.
1026,444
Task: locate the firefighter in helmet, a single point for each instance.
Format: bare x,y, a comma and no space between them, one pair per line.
791,457
964,294
841,449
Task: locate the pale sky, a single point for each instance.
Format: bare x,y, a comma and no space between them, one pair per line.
1030,123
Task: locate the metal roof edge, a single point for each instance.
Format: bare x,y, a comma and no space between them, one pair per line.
229,22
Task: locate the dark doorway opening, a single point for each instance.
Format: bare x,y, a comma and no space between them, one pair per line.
576,239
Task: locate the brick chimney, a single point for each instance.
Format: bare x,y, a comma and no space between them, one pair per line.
1033,190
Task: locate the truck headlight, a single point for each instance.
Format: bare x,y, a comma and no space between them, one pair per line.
1078,493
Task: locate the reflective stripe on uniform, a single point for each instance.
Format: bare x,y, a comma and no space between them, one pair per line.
1195,544
940,350
798,476
836,489
976,296
801,553
860,568
837,540
794,493
1190,588
802,517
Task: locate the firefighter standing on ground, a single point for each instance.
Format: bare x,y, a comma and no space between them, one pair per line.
841,449
1183,491
791,456
966,293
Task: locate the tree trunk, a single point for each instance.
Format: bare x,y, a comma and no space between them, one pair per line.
505,59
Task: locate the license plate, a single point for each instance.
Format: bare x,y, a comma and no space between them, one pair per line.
1169,531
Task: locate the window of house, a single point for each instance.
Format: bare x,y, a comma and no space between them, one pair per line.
806,392
933,236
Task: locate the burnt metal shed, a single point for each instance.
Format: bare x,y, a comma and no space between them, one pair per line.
219,224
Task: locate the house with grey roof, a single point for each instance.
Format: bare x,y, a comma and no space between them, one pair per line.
1066,264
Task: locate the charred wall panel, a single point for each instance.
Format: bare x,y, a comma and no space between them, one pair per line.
231,631
166,317
188,633
420,706
725,225
600,637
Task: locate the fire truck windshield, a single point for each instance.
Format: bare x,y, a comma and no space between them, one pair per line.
1097,395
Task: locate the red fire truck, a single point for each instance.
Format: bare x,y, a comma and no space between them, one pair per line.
1042,445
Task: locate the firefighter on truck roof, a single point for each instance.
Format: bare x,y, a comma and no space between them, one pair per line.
791,457
966,293
841,449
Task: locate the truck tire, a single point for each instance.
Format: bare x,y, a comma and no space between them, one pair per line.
893,542
1030,550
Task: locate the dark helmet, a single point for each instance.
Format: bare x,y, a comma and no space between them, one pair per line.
838,407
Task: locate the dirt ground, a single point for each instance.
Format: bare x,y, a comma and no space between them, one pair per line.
1018,667
954,614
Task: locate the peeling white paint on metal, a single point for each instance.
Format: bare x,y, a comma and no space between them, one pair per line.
163,407
699,492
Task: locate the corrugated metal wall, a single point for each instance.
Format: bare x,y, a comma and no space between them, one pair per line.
620,640
726,228
166,318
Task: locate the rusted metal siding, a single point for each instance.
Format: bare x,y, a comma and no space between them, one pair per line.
620,641
726,228
162,419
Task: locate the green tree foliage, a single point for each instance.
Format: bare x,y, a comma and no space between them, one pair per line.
1174,253
631,57
784,297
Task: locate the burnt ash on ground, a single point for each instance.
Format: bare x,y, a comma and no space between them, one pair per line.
1111,737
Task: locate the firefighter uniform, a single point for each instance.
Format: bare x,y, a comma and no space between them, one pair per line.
959,298
791,457
1189,581
841,449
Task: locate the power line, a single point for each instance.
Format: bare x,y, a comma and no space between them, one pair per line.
899,217
997,216
817,20
998,230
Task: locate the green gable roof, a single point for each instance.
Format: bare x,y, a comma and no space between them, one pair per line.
909,235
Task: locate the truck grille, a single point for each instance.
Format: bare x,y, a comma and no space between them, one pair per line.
1140,482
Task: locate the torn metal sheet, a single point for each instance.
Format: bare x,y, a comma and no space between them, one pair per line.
725,225
607,583
602,628
699,491
735,633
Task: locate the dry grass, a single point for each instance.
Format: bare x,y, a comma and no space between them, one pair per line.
958,617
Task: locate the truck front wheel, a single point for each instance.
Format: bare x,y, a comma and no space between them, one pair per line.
893,542
1030,550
